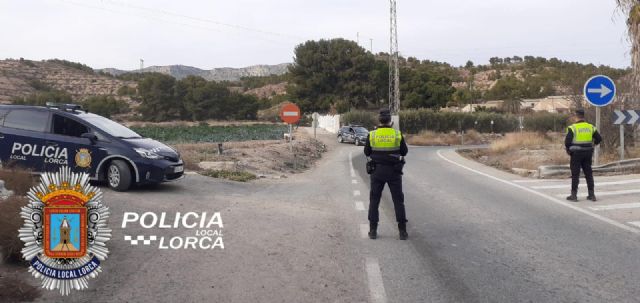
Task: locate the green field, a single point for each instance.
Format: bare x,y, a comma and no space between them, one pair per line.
207,133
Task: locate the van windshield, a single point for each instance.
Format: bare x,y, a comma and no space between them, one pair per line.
112,128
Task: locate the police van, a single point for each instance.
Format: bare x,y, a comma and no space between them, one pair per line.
46,138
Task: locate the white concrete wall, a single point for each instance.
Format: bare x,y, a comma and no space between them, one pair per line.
329,123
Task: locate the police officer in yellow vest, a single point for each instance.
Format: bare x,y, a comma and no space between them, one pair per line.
579,142
385,148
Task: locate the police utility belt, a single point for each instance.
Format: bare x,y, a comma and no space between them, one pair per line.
578,148
372,164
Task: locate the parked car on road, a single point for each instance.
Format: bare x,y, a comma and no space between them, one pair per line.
43,139
353,134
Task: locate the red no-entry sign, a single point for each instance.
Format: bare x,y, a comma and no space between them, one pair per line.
290,113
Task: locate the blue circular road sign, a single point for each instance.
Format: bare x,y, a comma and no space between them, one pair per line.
600,90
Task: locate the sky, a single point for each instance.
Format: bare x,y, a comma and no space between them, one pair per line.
214,33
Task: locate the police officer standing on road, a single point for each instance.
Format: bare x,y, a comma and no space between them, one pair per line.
385,149
579,142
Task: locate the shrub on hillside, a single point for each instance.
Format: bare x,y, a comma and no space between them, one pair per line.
17,180
105,106
367,119
10,222
544,122
415,121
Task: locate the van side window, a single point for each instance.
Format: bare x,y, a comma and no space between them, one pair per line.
32,120
68,127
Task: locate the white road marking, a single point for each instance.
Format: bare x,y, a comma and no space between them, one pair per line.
364,231
606,193
636,223
568,185
356,193
354,181
376,285
537,180
548,197
359,206
616,206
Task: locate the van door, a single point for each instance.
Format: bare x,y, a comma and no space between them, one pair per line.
23,138
83,155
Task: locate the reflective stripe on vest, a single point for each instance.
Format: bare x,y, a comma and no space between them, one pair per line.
385,139
582,133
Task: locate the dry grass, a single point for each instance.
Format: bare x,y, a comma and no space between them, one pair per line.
14,289
18,180
10,222
515,141
430,138
268,157
194,153
238,176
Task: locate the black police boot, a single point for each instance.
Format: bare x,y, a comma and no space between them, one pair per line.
592,196
573,197
373,231
402,227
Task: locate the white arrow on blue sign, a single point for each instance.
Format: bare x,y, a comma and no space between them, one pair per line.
627,116
600,90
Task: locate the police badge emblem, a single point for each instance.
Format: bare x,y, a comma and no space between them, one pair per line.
83,158
65,231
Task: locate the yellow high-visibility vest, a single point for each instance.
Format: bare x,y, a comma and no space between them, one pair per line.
582,133
385,139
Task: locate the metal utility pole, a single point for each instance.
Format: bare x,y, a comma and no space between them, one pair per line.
141,64
371,46
394,70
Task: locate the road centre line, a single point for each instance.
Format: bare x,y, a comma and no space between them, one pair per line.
359,206
622,182
376,285
607,193
635,223
548,197
356,193
616,206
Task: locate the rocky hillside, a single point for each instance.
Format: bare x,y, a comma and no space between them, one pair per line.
216,74
20,78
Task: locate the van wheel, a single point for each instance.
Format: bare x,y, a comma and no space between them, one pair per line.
119,175
357,143
340,140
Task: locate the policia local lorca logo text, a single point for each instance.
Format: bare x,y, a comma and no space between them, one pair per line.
207,230
51,154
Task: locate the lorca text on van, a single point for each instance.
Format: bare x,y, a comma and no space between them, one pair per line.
52,154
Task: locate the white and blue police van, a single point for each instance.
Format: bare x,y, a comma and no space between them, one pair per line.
45,138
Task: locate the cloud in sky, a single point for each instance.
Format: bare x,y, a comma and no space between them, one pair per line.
215,33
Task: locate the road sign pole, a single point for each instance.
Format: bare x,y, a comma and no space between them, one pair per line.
291,137
596,156
621,142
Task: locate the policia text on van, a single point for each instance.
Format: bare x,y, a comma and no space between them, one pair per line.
46,138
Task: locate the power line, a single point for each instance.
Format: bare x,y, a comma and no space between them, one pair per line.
235,26
151,17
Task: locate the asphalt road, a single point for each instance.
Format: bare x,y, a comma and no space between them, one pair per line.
477,236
